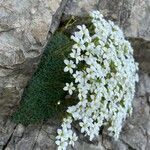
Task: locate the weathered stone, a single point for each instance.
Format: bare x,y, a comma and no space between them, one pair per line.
42,137
6,131
135,133
142,53
147,83
79,8
136,130
148,143
24,29
139,20
46,137
135,138
132,15
27,139
82,145
107,143
119,145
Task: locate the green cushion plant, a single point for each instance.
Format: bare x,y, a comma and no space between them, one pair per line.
44,90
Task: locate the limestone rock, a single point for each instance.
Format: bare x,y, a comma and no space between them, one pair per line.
24,29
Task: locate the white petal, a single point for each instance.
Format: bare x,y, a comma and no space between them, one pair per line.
70,92
65,88
66,69
71,71
57,142
66,61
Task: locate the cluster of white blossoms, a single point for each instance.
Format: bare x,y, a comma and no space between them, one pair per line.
104,71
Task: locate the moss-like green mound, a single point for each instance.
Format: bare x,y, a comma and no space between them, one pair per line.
45,89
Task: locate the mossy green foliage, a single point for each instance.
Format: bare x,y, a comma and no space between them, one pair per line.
45,89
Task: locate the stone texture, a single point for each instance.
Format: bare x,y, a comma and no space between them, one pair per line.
132,15
6,130
79,8
135,133
136,130
142,52
24,29
139,20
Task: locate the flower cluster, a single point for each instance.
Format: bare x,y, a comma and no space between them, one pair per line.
104,71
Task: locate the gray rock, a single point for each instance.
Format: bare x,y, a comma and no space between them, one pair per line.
133,16
27,139
139,20
82,145
135,133
136,130
148,143
134,137
6,131
79,8
142,53
24,30
119,145
46,137
42,137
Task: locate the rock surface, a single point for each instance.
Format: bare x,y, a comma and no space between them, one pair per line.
132,15
134,136
24,29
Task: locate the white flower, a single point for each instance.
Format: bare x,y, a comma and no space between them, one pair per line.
71,109
84,127
77,37
69,87
70,65
79,41
76,54
83,29
104,73
91,72
73,139
96,15
60,133
61,145
78,76
67,122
